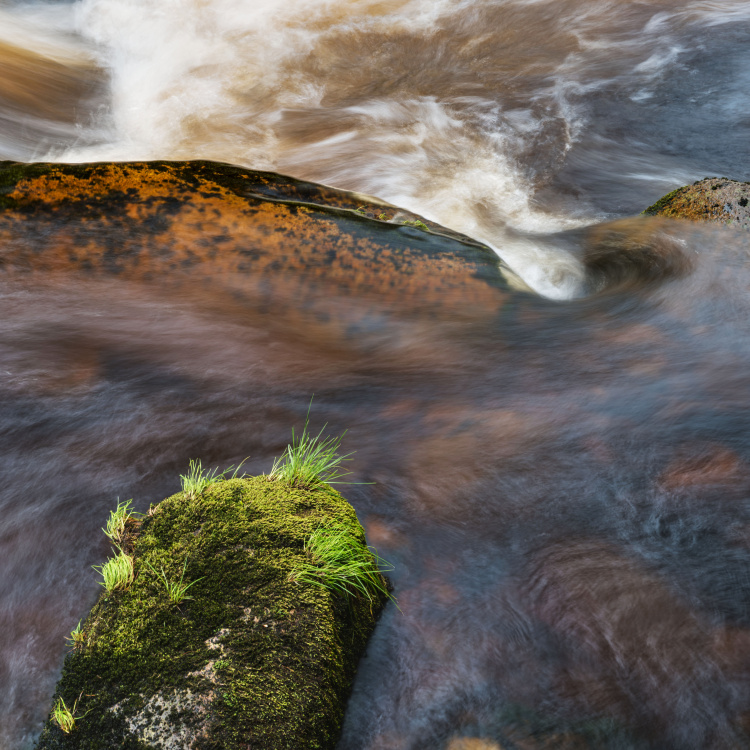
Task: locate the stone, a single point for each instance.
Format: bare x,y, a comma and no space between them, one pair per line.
716,200
251,659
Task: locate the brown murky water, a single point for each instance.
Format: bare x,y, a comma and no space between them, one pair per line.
563,486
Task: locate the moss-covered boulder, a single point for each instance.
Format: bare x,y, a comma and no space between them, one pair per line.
252,660
717,200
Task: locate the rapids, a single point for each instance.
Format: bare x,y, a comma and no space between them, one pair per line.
564,490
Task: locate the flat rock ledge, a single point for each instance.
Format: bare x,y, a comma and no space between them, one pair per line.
253,660
716,200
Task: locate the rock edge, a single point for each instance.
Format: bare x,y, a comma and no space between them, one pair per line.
252,661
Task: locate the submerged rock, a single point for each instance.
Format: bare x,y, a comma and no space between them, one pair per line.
717,200
251,660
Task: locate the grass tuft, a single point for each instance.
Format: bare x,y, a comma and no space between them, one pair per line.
117,573
77,637
198,479
175,589
339,562
115,529
310,461
64,717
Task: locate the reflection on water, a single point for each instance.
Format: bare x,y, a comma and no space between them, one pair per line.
561,485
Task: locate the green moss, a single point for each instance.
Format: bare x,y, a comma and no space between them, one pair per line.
286,652
416,223
662,203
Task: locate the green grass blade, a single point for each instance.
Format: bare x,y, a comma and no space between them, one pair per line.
199,479
118,518
175,589
117,573
340,562
311,460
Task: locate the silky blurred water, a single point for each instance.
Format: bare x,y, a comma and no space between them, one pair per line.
564,495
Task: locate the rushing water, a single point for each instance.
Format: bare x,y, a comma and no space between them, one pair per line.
566,496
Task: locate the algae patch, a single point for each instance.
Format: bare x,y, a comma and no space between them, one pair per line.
253,660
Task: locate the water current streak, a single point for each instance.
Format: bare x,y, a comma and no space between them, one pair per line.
561,480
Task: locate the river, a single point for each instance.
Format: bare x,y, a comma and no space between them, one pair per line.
566,500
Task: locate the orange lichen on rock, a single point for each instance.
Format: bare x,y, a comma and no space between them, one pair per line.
99,184
219,225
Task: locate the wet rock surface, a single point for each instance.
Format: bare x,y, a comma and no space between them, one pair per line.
716,200
253,235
